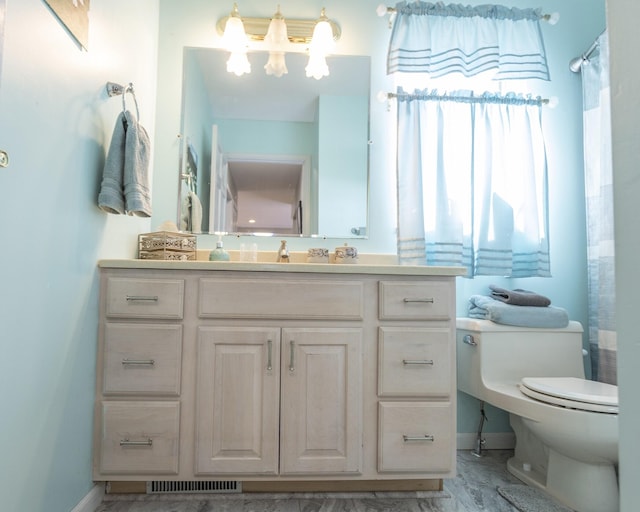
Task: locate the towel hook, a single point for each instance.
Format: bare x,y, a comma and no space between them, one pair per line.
114,89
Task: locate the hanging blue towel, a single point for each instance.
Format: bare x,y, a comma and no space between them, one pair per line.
125,181
481,306
137,190
111,197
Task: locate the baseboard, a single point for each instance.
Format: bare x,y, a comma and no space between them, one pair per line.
493,440
92,500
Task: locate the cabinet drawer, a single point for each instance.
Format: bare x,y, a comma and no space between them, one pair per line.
414,362
415,437
275,298
140,437
144,298
415,301
142,358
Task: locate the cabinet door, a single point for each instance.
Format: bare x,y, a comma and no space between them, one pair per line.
237,400
321,417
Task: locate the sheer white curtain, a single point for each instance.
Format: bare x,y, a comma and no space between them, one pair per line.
472,183
599,201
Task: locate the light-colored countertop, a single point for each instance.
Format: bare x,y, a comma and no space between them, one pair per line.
370,267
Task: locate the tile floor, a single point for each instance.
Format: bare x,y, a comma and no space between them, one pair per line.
474,490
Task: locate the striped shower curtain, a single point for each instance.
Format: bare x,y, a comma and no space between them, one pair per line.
599,201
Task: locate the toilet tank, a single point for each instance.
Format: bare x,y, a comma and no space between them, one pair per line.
490,353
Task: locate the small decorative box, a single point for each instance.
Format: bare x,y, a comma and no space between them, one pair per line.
346,254
318,255
166,245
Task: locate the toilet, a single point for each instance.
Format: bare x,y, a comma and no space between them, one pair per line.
566,427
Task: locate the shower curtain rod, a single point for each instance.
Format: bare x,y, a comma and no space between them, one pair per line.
576,63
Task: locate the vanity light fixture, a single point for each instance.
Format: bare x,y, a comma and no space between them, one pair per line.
278,37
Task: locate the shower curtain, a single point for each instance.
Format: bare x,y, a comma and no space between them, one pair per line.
599,203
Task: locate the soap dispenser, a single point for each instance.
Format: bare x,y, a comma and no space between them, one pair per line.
219,254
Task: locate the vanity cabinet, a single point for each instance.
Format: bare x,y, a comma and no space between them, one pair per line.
275,373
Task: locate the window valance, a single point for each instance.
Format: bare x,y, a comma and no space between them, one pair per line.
439,39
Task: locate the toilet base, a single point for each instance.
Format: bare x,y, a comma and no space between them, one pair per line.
577,485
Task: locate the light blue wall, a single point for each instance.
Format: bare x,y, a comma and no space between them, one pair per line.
266,137
342,160
56,122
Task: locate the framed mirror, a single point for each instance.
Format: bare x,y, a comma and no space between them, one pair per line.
266,155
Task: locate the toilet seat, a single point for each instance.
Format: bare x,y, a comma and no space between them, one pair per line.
573,393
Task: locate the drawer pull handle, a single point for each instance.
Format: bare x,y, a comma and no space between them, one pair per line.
141,362
428,362
428,300
269,349
126,442
292,367
142,298
425,437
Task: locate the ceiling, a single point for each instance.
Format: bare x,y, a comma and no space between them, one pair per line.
257,175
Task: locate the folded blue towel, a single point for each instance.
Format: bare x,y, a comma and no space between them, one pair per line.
519,297
481,306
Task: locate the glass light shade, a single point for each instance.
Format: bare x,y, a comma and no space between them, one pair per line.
317,66
277,38
235,40
277,42
276,65
238,63
234,37
322,40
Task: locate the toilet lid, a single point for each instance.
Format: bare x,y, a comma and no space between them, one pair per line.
586,395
